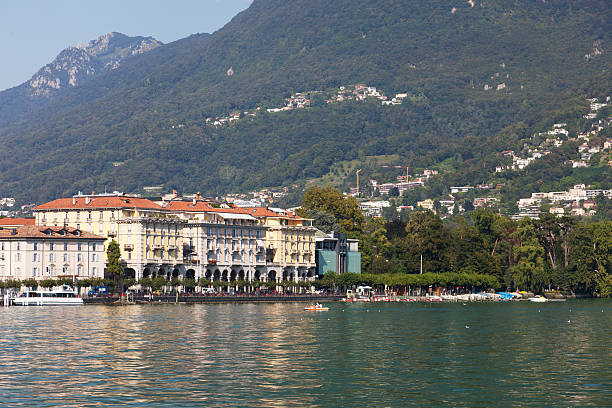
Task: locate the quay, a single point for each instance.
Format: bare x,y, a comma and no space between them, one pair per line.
107,300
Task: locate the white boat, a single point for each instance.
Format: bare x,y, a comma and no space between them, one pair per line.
538,299
65,296
316,308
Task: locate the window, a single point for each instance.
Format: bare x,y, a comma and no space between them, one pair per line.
18,256
65,257
35,246
34,271
80,270
94,270
79,257
65,246
18,246
51,246
94,257
79,246
209,231
258,234
34,257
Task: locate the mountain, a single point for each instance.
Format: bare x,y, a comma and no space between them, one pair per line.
478,76
72,67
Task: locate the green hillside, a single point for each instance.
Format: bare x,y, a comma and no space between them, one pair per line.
149,115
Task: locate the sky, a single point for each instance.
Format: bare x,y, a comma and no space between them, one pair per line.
33,32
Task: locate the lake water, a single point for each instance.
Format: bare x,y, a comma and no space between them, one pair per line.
277,355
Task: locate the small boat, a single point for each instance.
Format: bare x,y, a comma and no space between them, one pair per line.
316,308
538,299
58,297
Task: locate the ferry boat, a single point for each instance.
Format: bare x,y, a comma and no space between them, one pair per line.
65,296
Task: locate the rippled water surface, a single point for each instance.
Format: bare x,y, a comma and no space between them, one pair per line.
267,355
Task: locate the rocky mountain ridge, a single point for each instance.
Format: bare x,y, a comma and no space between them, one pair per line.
76,65
73,66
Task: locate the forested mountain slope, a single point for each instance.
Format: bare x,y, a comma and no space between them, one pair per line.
471,69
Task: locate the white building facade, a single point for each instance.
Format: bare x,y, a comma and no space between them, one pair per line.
42,252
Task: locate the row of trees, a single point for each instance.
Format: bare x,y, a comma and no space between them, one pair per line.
568,254
49,283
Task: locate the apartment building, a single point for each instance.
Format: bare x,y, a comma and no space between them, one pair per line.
290,244
150,238
43,252
221,243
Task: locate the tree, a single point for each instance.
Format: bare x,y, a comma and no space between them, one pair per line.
331,201
427,236
145,283
529,272
30,283
113,265
590,266
158,282
324,221
47,283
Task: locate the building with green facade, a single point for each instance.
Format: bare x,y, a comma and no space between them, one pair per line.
334,252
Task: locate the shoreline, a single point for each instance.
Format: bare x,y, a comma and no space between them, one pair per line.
115,300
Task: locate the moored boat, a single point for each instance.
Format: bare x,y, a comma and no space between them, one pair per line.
65,296
538,299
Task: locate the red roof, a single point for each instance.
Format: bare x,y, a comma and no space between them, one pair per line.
45,232
16,222
201,206
99,202
266,212
188,206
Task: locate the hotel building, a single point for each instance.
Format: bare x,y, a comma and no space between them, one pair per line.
43,252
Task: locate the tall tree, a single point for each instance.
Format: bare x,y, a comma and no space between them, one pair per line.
331,201
113,265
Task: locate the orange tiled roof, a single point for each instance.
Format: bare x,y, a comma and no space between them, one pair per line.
201,206
266,212
45,232
99,202
16,222
188,206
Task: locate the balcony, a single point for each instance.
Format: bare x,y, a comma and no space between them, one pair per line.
212,261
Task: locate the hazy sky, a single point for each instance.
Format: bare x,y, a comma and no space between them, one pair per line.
33,32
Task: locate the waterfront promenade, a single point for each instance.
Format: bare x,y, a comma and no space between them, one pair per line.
183,298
